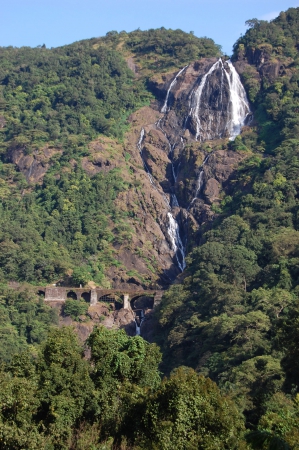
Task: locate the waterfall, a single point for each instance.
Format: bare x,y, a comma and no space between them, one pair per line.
138,327
238,102
173,172
218,107
164,107
173,227
174,201
139,146
206,105
195,104
200,179
176,242
137,333
141,137
227,120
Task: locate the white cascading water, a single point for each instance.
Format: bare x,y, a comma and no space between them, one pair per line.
138,327
173,172
174,201
164,107
176,242
196,97
139,146
173,229
200,179
237,108
239,103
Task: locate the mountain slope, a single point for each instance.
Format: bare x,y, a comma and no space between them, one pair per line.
228,317
71,196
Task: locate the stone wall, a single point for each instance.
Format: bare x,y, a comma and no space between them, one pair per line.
55,294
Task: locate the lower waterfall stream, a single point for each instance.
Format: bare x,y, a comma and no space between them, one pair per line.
173,228
199,183
138,327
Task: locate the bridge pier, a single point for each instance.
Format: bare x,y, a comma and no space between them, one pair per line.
93,297
127,304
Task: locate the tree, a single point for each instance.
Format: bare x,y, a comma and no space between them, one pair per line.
288,335
189,412
80,276
19,404
65,389
125,371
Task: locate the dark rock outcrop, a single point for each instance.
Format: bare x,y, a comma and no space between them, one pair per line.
35,165
212,191
258,64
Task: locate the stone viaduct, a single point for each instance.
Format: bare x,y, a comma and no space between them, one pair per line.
124,297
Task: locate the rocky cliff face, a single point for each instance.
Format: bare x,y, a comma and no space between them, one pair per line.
176,161
185,151
257,66
34,165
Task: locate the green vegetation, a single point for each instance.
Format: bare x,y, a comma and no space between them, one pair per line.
59,400
66,96
24,321
235,316
59,226
75,308
275,98
162,49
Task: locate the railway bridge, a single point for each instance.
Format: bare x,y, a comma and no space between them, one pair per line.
124,297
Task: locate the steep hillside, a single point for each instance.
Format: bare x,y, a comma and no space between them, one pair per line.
231,318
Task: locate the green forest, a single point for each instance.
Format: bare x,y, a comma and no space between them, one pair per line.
224,370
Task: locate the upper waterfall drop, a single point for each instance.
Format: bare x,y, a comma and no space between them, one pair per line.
164,107
219,105
195,101
239,103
